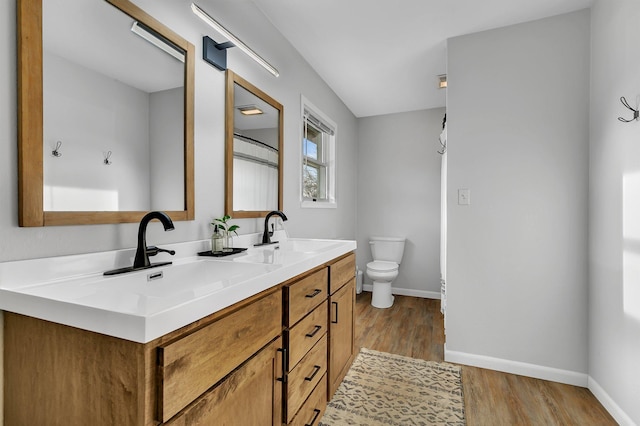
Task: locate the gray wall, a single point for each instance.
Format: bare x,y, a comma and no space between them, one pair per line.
614,296
518,122
90,122
399,194
166,153
296,78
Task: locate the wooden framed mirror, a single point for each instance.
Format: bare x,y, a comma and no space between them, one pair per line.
105,114
254,150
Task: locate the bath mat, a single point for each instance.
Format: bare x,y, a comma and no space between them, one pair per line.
386,389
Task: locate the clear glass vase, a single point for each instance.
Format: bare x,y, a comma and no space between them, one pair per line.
227,242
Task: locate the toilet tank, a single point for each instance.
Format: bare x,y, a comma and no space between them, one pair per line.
389,249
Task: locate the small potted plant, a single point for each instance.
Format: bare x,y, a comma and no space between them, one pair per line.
226,228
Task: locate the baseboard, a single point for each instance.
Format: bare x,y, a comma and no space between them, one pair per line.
408,292
609,404
517,367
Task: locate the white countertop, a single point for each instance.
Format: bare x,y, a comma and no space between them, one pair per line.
144,305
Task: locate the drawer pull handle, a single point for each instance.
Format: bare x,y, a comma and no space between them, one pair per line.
316,292
336,305
316,368
315,417
315,331
283,379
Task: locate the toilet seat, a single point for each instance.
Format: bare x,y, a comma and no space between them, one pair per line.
382,266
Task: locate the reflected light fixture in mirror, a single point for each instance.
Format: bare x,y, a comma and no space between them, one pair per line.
254,150
40,40
150,35
197,10
250,110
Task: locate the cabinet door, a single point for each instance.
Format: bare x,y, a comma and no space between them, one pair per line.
341,334
251,395
196,362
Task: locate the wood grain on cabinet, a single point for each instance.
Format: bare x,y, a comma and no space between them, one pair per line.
341,334
251,395
305,376
304,295
53,373
304,335
341,271
192,364
312,410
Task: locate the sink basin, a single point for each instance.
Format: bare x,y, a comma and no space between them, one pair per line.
272,256
308,246
287,252
144,305
151,290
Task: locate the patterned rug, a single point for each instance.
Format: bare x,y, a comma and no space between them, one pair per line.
387,389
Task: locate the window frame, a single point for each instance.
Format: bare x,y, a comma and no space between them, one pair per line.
326,163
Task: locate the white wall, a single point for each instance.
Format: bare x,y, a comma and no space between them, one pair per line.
517,114
614,209
399,194
296,78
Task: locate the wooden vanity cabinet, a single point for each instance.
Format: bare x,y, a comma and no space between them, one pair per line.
319,338
273,358
342,284
305,321
56,374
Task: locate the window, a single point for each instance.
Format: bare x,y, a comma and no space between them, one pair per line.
318,158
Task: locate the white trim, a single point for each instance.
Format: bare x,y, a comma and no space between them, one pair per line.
318,204
609,404
424,294
516,367
332,163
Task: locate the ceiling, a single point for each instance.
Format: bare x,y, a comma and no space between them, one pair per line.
383,57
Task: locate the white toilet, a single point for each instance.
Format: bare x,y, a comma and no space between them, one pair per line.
387,253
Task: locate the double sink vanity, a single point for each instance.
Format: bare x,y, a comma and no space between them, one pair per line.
260,337
263,337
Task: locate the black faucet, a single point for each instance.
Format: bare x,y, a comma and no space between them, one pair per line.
141,261
142,254
266,236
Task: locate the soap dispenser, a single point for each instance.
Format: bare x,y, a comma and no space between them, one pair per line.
216,240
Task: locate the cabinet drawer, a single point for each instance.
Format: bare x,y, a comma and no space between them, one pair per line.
306,333
341,272
191,365
312,410
305,376
251,395
304,295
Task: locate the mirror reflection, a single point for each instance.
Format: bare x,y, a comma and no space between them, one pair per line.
254,150
113,101
105,114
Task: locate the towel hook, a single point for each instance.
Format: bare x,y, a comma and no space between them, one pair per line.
636,113
107,157
56,152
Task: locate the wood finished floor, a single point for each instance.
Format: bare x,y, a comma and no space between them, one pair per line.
415,327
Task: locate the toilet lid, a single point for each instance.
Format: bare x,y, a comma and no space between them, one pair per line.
382,266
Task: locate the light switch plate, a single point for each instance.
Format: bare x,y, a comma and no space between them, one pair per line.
464,197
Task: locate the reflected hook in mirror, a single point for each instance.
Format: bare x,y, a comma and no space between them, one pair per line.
43,36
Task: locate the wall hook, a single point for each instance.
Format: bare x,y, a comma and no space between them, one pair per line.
107,157
56,152
636,113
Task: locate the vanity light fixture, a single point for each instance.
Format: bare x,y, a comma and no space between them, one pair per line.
442,81
234,41
155,39
250,110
